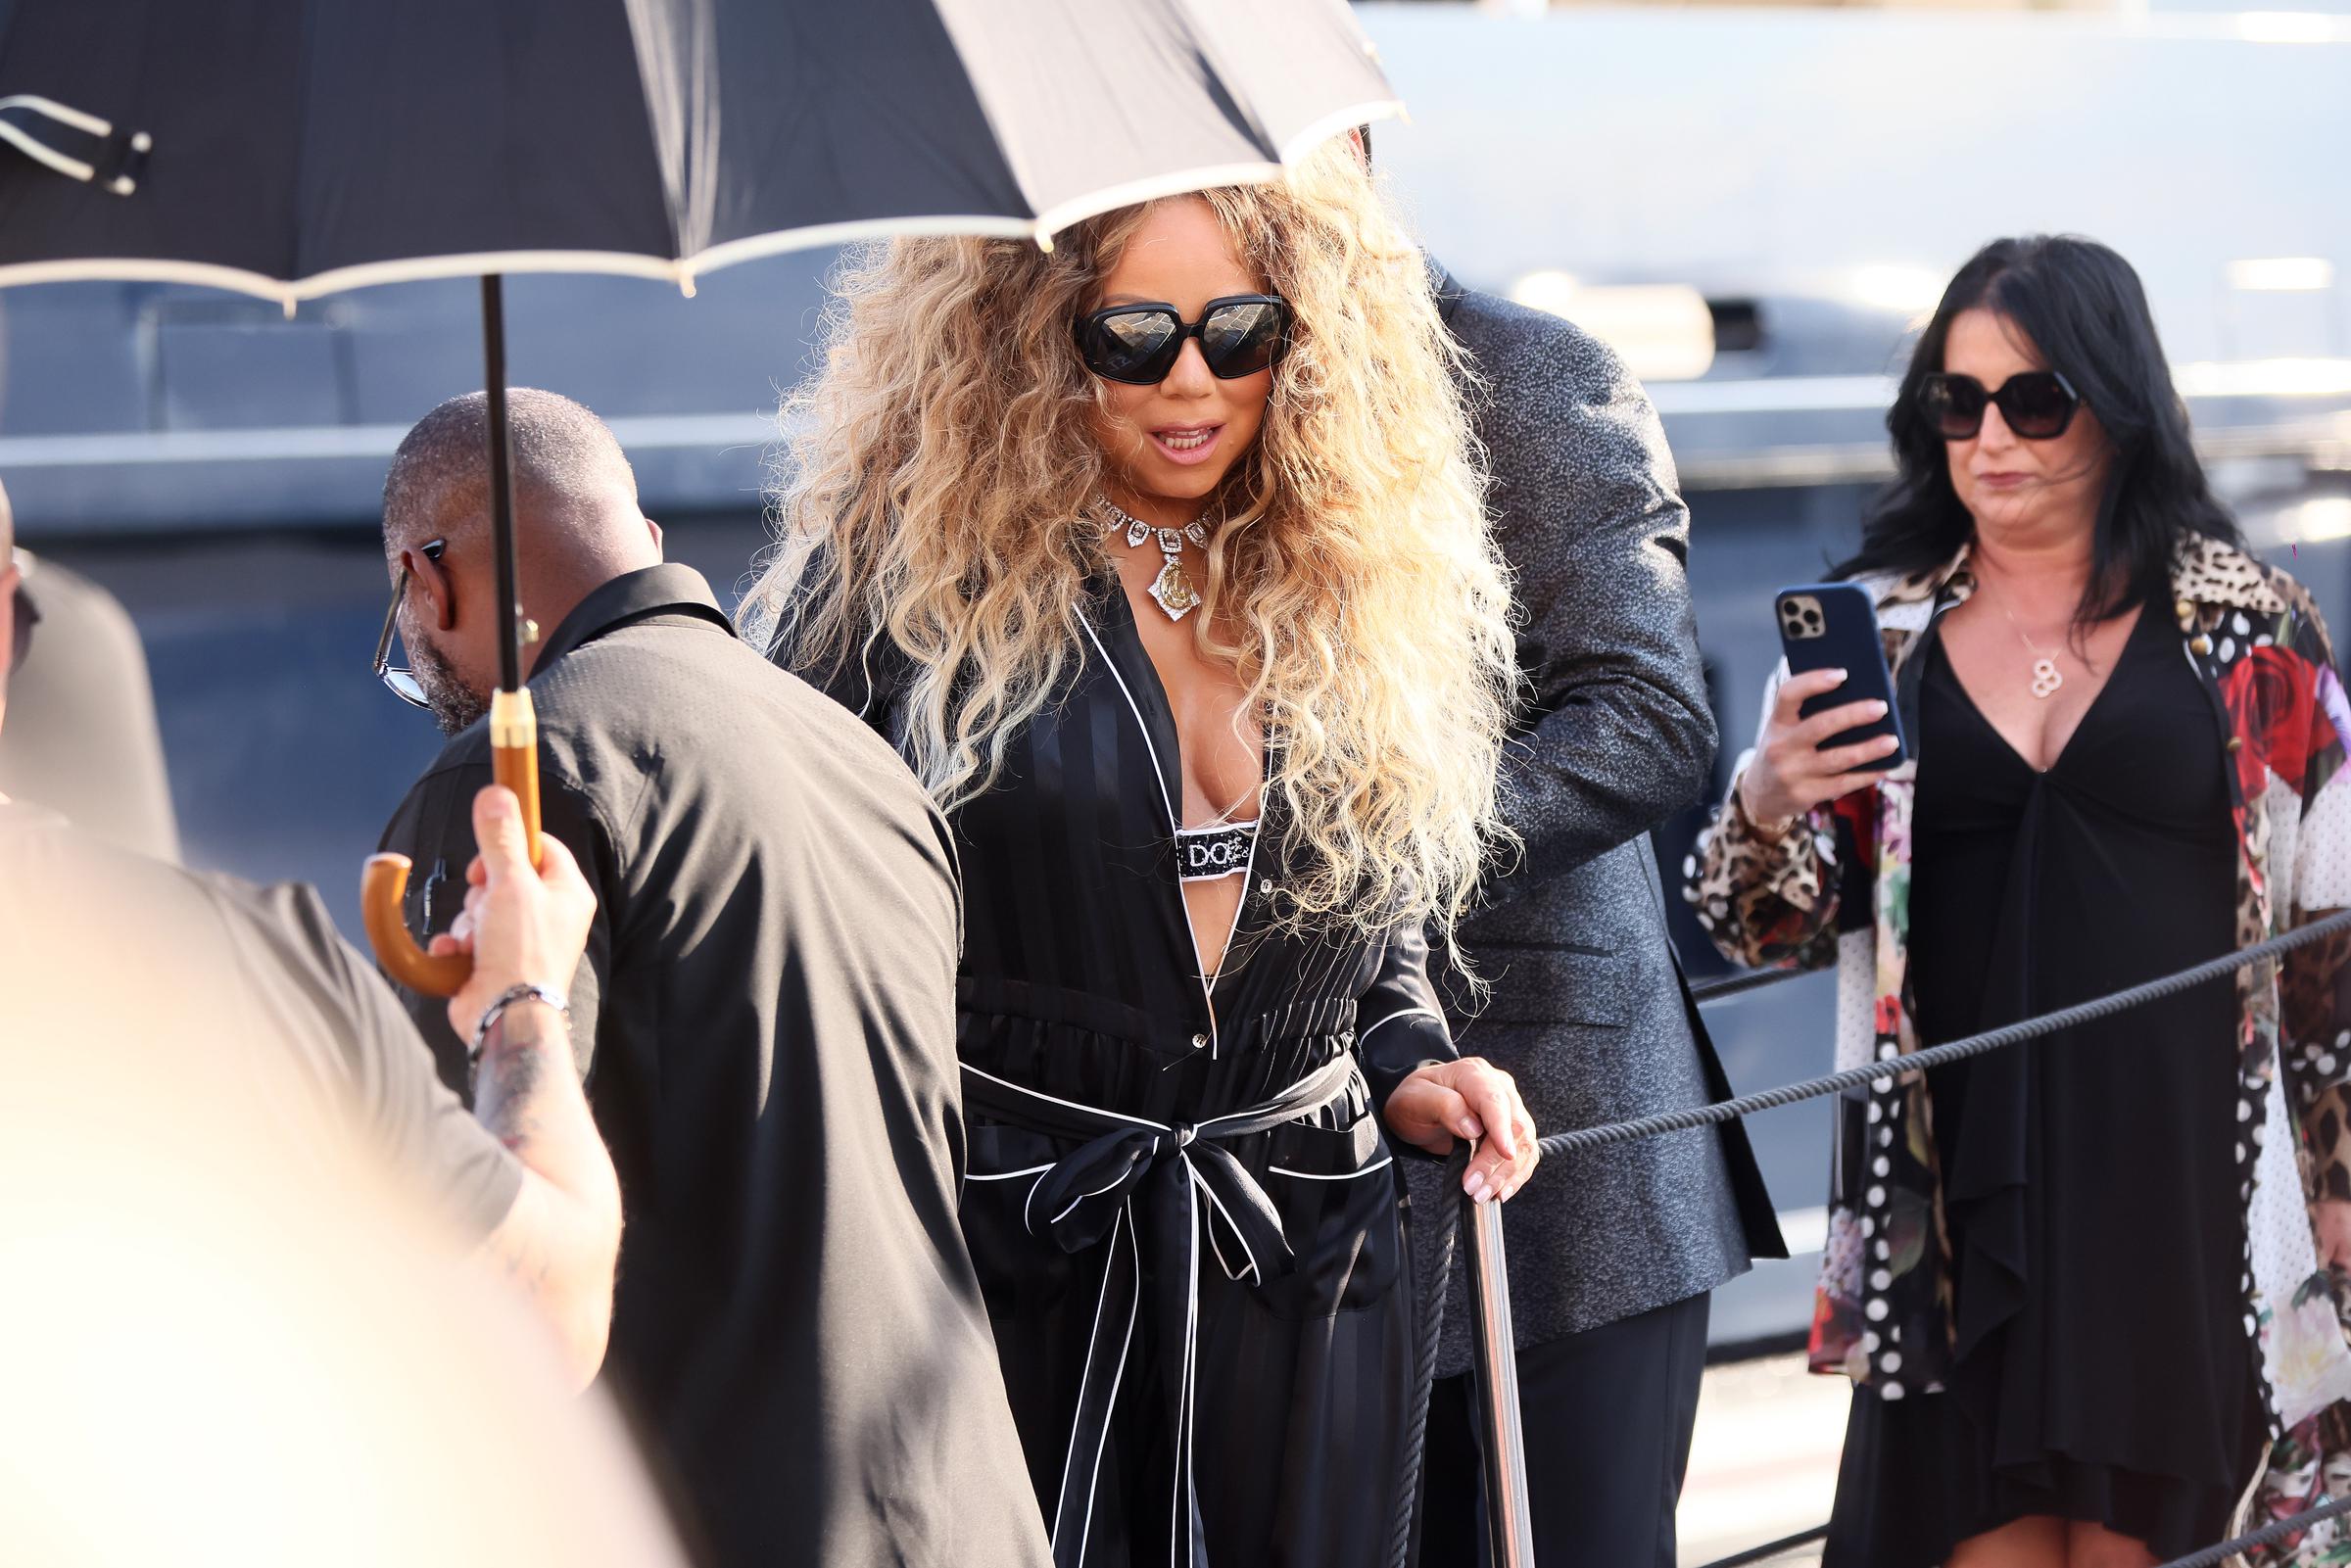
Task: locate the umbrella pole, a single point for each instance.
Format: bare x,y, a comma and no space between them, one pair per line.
513,725
1510,1534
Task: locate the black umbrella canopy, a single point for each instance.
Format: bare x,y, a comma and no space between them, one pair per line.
289,148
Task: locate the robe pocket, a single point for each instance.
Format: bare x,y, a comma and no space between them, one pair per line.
1019,1273
1557,982
1336,1192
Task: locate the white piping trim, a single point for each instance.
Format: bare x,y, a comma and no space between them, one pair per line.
680,272
42,152
1074,1201
1158,772
1028,1203
1094,1482
1191,1340
1200,1128
1248,870
1055,1099
1255,1274
89,124
1407,1012
1381,1163
1005,1175
1208,992
1123,1216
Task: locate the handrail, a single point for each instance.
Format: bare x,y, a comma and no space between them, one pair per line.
2065,1017
1579,1139
1723,987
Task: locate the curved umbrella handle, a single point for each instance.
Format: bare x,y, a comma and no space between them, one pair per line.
384,882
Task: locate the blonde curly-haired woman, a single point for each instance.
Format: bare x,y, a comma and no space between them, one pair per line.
1159,556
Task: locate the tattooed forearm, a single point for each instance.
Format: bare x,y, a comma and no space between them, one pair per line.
561,1240
511,1076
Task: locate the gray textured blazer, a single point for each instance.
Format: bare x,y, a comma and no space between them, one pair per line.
1588,1010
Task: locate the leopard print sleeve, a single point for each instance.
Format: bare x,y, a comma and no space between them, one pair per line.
1765,898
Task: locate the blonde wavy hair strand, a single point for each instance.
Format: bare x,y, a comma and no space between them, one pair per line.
936,510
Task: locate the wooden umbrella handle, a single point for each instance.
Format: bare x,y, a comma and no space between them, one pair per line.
384,882
515,756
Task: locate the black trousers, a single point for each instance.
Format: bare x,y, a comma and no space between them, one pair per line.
1608,1416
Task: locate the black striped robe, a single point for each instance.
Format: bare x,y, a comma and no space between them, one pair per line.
1179,1397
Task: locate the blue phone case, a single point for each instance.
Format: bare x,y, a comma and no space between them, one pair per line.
1835,625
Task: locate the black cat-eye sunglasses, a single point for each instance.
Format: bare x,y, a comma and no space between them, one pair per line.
2036,405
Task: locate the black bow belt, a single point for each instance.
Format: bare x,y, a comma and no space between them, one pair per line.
1187,1182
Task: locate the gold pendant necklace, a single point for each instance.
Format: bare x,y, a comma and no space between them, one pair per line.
2047,678
1172,588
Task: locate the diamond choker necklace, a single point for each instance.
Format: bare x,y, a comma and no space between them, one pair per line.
1172,588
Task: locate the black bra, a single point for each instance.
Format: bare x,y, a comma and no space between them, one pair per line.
1204,854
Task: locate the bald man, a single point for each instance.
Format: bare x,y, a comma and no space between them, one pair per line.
764,1017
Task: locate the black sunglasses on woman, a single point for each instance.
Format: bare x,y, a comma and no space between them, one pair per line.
1240,333
2037,406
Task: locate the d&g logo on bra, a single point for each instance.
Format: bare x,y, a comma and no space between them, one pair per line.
1203,854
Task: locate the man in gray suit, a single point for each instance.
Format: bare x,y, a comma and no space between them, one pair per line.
1611,1252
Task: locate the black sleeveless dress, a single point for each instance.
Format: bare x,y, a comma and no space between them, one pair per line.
2089,1178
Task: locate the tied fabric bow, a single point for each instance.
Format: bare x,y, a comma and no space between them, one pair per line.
1137,1183
1077,1202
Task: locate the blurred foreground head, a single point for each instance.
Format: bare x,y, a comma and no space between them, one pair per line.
577,526
241,1344
80,726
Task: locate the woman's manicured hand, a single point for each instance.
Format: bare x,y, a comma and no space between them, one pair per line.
1471,1099
1790,773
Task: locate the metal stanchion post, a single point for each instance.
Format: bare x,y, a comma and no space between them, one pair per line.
1508,1534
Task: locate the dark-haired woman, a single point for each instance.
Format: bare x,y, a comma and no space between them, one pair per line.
2080,1282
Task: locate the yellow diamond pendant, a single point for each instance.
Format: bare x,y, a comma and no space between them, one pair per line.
1173,591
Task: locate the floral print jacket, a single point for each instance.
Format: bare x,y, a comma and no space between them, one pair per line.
1835,887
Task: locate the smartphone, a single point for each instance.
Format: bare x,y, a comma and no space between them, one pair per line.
1835,625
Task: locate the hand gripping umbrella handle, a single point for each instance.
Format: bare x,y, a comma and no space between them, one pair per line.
384,883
